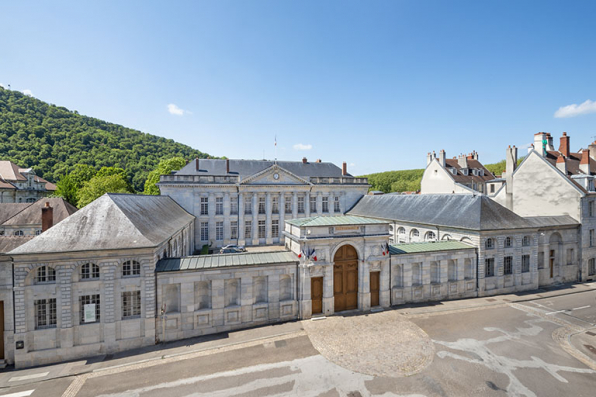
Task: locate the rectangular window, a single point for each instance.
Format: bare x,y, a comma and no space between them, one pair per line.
234,230
247,206
234,206
261,205
541,260
591,237
489,267
204,205
325,204
570,256
275,205
275,228
508,265
131,304
590,209
262,229
592,267
219,231
288,205
525,263
247,229
301,205
89,309
219,206
45,313
204,231
336,204
313,204
492,188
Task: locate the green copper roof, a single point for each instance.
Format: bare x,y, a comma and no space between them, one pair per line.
224,260
334,221
414,248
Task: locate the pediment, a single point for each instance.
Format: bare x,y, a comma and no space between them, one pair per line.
274,175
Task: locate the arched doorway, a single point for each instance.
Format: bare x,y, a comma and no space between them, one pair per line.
345,278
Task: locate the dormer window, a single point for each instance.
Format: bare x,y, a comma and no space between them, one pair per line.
481,172
464,171
454,171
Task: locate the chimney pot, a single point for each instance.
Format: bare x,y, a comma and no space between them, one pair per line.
304,160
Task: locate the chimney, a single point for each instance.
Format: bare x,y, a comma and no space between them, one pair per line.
562,164
510,166
304,160
319,161
549,138
442,158
584,164
475,155
462,160
592,149
564,148
227,166
47,217
429,158
197,164
344,169
540,143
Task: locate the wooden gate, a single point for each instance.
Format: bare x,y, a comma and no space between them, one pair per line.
345,278
316,294
375,288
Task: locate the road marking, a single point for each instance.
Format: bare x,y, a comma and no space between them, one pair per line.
27,377
582,307
558,311
19,394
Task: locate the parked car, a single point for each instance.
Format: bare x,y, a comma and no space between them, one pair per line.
232,249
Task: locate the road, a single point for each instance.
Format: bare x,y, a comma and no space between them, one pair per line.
504,349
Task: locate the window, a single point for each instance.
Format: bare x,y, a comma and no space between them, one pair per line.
89,271
234,230
508,265
37,232
219,206
313,204
247,206
526,241
325,201
430,236
261,205
590,209
204,205
301,205
489,244
435,272
19,233
204,231
592,267
88,300
492,188
452,270
541,260
45,313
247,229
570,256
401,230
525,263
131,268
591,237
336,204
260,289
234,207
45,274
288,205
219,231
415,233
275,205
489,267
1,232
262,233
508,242
398,280
275,228
416,274
131,304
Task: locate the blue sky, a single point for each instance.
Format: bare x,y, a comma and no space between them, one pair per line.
377,84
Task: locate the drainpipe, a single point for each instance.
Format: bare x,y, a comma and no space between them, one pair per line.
298,300
477,275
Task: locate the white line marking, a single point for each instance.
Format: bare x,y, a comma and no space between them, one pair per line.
19,394
558,311
27,377
579,308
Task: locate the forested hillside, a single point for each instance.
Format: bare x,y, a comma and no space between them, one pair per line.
53,139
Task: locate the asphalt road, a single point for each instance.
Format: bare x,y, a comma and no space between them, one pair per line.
494,351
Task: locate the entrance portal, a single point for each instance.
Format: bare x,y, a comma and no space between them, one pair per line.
345,278
316,294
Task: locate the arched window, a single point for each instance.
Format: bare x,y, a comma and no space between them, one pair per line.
508,242
401,230
19,233
469,269
446,237
45,274
489,244
414,235
430,236
416,274
526,241
89,271
131,268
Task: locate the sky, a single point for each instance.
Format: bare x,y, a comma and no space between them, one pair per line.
377,84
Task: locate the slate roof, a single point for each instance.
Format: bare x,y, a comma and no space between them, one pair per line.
548,221
465,179
246,168
572,162
9,243
203,262
8,210
413,248
333,221
465,211
113,221
31,215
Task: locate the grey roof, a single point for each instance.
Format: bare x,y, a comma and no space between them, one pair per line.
463,211
246,168
31,215
548,221
8,243
413,248
113,221
333,221
8,210
203,262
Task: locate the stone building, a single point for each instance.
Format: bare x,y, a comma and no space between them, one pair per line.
21,185
27,219
246,202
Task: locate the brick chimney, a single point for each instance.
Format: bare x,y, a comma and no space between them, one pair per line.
344,169
304,160
227,166
584,164
562,164
564,146
197,164
47,217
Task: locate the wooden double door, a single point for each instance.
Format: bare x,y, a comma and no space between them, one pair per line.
345,278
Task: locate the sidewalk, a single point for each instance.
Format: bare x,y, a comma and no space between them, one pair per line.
10,377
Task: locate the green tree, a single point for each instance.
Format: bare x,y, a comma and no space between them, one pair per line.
163,168
100,185
67,189
108,171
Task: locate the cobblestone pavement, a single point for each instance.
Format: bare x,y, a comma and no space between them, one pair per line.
377,344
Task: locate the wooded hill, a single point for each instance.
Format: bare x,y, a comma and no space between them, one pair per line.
52,140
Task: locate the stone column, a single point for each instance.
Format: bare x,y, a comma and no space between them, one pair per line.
294,205
328,300
241,219
268,211
227,229
331,203
307,205
319,203
255,219
282,214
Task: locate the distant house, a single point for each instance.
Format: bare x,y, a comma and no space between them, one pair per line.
21,185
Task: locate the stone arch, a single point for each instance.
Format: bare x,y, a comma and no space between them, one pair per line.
344,243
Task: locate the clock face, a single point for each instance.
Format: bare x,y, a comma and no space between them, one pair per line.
276,176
